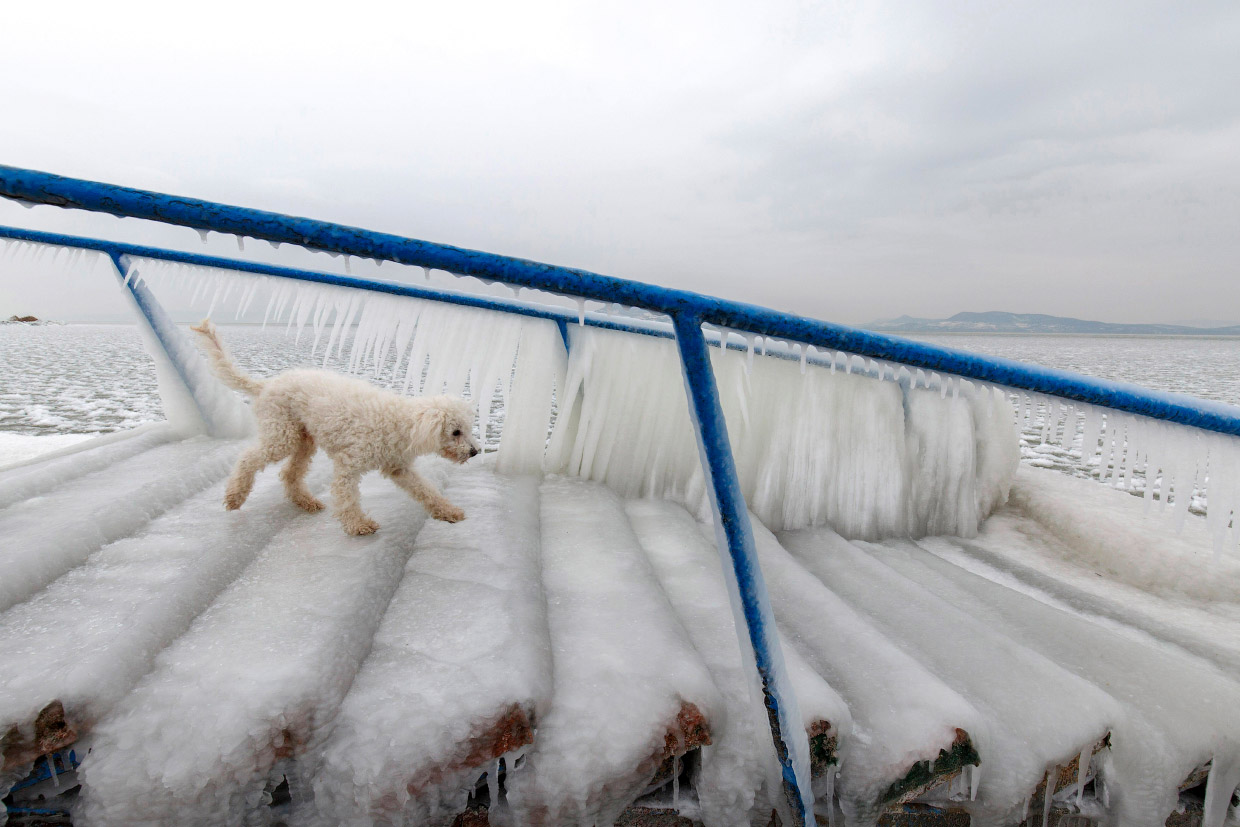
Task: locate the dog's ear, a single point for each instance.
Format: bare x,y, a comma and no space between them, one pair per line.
428,428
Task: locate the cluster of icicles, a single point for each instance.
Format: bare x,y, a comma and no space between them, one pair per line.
817,440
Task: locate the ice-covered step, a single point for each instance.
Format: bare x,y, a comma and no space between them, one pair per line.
1190,603
1179,711
75,648
30,479
459,670
258,677
910,729
629,690
735,781
48,535
1037,715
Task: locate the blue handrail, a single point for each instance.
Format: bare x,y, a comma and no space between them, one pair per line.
44,188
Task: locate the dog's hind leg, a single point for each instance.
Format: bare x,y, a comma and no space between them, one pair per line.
252,461
294,475
347,503
415,486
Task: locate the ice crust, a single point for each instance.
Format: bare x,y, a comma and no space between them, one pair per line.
464,640
872,458
1028,726
739,776
902,713
97,508
128,601
623,664
1178,711
262,670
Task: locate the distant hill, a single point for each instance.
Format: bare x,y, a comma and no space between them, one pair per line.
997,321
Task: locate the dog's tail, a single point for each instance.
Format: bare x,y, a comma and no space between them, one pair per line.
224,367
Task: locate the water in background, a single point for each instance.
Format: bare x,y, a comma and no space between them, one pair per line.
93,379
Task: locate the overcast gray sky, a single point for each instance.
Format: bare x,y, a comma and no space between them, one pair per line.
844,160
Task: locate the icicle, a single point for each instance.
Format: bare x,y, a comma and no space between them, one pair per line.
830,796
804,356
348,266
204,235
749,348
493,786
51,768
1082,774
426,274
240,243
1048,795
581,312
676,783
1221,784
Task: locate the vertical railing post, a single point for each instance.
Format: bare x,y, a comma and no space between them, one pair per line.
193,400
734,535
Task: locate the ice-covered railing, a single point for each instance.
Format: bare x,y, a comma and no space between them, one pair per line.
815,442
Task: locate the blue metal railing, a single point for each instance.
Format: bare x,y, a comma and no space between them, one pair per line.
688,313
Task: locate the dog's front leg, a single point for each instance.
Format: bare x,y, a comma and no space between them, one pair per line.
347,503
415,486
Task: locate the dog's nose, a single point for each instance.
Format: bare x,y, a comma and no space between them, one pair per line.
473,452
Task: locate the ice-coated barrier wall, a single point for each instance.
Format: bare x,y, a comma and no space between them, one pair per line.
867,449
814,445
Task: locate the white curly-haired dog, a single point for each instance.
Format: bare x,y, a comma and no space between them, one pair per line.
361,427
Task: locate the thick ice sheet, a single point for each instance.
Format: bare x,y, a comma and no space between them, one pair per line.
43,473
87,639
902,713
741,759
46,536
1021,549
1126,539
872,458
1037,714
263,669
623,664
464,641
1179,711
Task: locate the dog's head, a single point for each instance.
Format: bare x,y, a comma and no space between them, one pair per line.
446,427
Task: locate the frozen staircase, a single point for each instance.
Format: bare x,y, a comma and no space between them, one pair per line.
562,656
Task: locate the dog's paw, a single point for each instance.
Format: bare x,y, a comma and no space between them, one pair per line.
308,503
448,513
362,527
233,500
